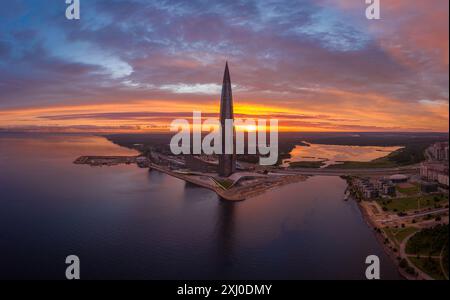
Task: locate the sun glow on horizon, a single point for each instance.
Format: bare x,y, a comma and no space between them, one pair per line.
156,116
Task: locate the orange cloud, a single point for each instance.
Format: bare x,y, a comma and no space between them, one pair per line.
350,111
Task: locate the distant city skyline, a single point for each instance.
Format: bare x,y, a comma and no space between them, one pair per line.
134,66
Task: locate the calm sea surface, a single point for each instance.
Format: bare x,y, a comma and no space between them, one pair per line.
128,223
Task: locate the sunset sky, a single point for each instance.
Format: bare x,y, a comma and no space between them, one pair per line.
134,66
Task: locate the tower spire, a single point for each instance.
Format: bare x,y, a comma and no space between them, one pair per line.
226,74
227,162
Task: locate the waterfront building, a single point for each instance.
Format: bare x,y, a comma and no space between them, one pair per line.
367,188
439,151
398,178
371,193
389,189
428,187
435,171
227,162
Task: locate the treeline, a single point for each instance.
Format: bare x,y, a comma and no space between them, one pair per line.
414,143
413,152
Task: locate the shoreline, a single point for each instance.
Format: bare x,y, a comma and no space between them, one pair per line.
191,180
256,187
380,239
241,193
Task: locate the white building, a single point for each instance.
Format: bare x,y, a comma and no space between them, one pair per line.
439,151
435,172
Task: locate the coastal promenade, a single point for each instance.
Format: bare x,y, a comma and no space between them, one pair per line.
258,186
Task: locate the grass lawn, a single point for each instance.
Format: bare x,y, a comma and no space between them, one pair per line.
391,236
397,235
428,241
412,203
306,164
411,153
409,190
431,266
402,233
224,183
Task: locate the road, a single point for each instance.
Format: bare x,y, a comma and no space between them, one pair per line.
419,271
416,215
422,275
412,169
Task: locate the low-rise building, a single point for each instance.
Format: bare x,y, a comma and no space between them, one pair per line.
428,187
367,188
389,189
371,193
398,178
443,178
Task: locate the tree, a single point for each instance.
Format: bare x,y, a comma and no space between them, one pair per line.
403,263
